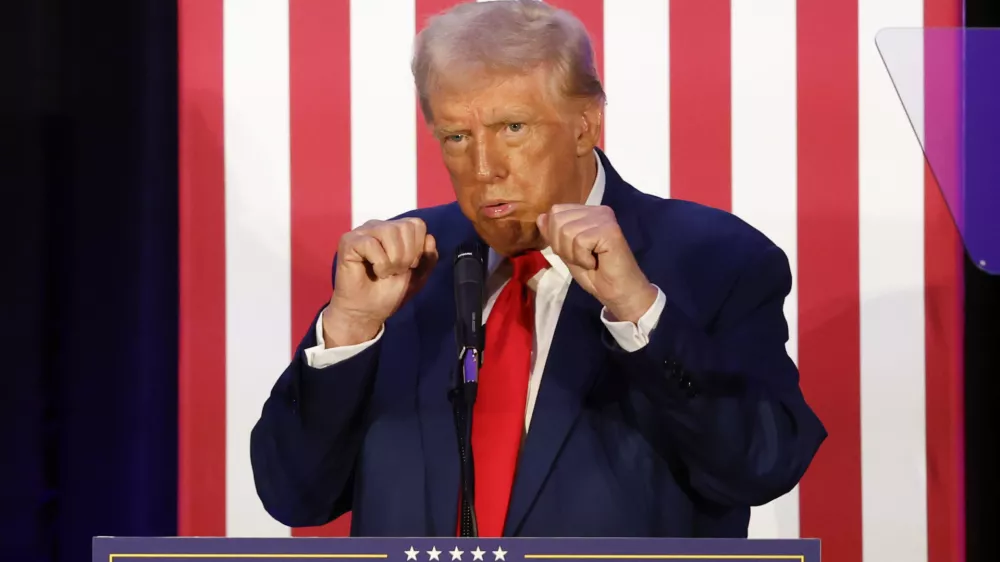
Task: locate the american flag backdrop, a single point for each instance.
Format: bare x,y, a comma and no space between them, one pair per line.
299,120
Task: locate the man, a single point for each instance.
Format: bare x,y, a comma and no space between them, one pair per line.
635,380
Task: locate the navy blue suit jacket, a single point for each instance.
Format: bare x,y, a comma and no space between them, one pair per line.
677,439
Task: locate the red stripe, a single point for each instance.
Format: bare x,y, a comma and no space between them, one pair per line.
591,14
433,184
700,102
201,483
320,115
943,262
828,275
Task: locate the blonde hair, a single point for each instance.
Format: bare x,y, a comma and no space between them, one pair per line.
505,36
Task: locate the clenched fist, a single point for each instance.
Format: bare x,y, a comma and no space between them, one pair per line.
588,239
380,265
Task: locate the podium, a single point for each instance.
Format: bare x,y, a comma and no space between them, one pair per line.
444,549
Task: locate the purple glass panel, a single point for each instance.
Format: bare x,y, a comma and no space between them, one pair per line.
981,220
948,80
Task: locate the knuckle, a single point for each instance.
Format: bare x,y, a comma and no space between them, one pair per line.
351,239
376,232
406,230
420,229
368,226
410,225
387,233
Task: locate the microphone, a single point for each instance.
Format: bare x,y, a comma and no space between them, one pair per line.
470,272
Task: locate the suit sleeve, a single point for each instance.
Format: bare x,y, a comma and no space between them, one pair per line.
727,397
304,447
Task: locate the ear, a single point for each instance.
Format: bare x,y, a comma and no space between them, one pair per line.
590,121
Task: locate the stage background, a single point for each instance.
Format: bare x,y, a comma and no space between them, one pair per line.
779,111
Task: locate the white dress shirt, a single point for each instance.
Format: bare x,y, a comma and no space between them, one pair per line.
551,286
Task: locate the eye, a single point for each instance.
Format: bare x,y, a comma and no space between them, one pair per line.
454,138
515,127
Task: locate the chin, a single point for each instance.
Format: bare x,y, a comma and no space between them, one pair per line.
509,247
508,238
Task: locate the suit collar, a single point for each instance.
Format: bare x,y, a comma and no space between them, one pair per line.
625,201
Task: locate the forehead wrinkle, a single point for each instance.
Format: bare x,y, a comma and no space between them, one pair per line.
490,100
459,115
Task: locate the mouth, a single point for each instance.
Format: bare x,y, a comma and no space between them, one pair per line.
497,209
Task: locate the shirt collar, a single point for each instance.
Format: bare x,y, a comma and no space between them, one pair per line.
595,197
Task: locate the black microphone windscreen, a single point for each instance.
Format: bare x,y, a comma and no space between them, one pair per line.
470,273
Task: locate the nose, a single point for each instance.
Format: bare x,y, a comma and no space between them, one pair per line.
491,164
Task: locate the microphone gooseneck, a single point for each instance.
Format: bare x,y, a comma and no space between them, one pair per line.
470,273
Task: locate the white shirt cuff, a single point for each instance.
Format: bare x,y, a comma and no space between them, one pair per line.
319,356
633,337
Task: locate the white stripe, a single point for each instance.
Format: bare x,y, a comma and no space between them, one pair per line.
891,167
901,53
637,83
764,170
258,287
383,110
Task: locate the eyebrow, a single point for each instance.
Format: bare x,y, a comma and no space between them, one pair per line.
448,131
511,115
516,114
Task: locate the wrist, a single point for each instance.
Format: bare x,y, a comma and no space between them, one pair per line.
342,328
633,305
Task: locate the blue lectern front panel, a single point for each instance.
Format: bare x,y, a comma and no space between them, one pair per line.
186,549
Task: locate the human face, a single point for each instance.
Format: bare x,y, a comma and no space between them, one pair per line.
513,148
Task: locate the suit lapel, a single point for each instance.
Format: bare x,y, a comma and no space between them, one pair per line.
575,359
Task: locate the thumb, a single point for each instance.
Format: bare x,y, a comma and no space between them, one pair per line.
582,276
429,257
430,246
543,226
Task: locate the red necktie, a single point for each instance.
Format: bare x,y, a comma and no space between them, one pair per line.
498,414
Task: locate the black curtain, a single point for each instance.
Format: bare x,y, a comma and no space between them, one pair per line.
88,415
